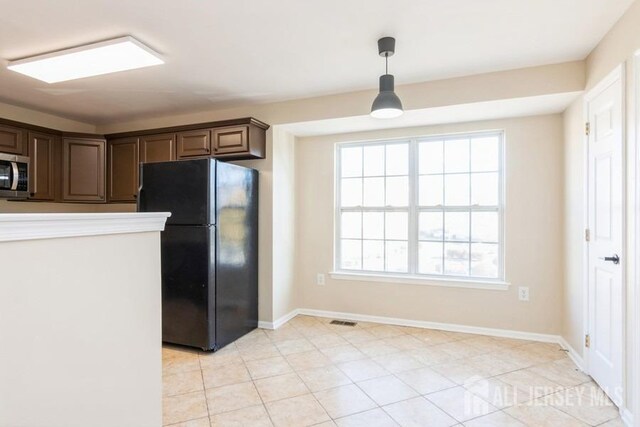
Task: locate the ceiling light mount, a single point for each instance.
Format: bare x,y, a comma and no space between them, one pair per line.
387,46
387,104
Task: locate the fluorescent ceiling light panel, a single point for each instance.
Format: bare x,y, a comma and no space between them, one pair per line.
111,56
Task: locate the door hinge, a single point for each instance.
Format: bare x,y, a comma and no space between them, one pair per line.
587,128
587,341
587,235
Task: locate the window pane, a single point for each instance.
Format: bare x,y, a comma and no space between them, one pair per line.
484,260
430,189
373,255
374,160
456,155
430,258
456,226
484,227
396,257
430,224
398,191
373,225
484,154
351,226
350,256
397,159
396,225
484,189
456,259
351,161
351,192
456,190
430,157
373,192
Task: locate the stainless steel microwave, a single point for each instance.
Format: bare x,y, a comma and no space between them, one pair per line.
14,176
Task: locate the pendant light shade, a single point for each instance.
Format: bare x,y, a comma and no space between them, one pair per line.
387,105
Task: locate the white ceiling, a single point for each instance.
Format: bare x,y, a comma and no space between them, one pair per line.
223,53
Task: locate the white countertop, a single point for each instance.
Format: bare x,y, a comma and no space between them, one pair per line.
30,226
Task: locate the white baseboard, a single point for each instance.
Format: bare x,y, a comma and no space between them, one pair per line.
506,333
280,321
573,354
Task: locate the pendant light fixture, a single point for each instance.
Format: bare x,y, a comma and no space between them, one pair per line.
387,105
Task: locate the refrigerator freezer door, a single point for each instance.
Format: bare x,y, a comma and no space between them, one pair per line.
184,188
188,286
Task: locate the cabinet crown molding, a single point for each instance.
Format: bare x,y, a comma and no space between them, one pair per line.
195,126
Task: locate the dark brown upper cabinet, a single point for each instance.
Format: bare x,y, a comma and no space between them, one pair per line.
83,170
12,140
122,169
158,148
230,140
195,143
236,139
42,165
238,142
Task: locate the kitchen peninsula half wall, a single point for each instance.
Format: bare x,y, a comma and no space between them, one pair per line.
80,316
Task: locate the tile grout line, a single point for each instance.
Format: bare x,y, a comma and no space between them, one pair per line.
204,388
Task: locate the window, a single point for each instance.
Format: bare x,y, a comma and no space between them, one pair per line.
422,207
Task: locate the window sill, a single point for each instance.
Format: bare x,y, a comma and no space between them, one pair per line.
493,285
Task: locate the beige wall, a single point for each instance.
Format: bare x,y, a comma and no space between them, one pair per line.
80,331
38,118
534,230
572,310
284,219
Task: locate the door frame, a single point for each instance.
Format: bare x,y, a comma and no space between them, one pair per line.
635,211
618,73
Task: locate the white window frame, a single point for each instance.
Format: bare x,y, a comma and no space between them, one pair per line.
412,277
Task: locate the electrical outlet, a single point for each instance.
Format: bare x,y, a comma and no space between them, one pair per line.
320,279
523,293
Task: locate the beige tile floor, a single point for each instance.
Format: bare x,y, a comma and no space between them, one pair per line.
309,372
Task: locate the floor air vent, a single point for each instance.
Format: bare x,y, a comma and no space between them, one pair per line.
343,323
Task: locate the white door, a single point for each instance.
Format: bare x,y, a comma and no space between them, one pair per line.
605,249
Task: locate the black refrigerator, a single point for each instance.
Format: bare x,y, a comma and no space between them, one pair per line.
209,249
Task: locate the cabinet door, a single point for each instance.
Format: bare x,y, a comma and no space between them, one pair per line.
83,170
158,148
41,166
12,140
122,170
194,143
230,140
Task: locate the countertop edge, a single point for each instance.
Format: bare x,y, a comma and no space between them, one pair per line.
34,226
